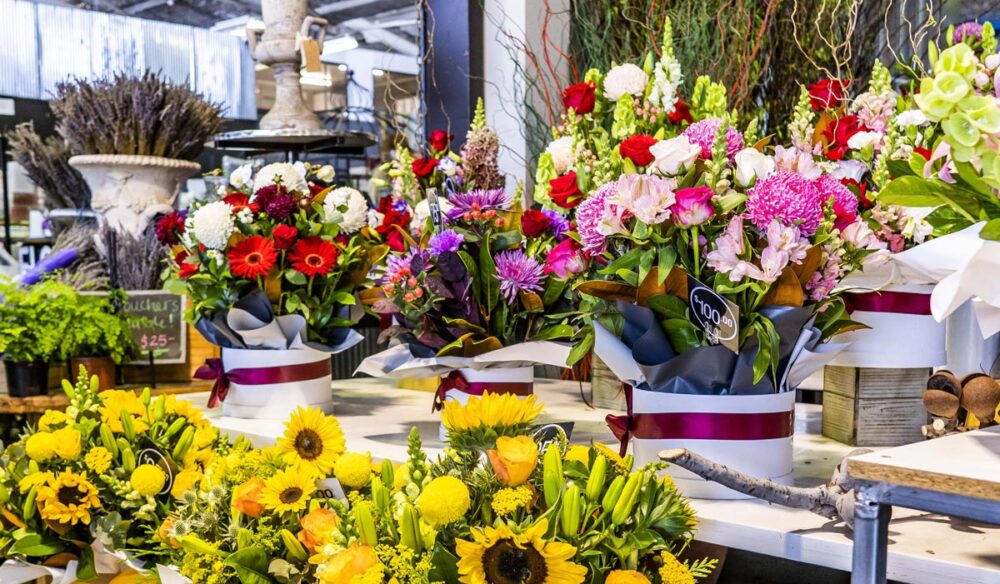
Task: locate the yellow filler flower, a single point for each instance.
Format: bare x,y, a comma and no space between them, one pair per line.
68,498
288,490
497,555
312,440
673,571
444,500
98,459
353,470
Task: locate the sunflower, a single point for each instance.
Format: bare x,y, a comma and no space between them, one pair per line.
68,498
312,440
500,556
490,410
288,490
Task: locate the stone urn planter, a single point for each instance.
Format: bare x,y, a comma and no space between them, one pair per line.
127,190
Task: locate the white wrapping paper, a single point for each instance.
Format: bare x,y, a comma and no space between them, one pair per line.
397,362
107,563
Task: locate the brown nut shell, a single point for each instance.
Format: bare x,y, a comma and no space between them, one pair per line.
980,396
945,381
941,403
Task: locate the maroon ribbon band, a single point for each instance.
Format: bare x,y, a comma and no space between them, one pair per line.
456,380
214,370
894,302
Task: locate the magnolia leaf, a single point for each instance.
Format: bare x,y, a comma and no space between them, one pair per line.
60,560
369,296
675,283
464,325
472,348
272,285
763,142
406,235
607,290
11,517
321,196
532,302
558,331
809,265
553,290
786,291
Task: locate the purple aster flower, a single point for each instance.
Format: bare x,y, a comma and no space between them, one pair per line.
518,273
447,240
558,224
478,200
703,134
788,197
967,30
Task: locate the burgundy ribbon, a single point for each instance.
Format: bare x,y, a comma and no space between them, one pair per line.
213,369
456,380
894,302
698,425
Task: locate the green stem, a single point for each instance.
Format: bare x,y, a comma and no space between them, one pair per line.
697,252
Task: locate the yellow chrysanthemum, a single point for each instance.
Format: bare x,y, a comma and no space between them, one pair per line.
444,500
579,453
115,401
673,571
148,479
353,470
626,577
67,442
34,479
185,481
312,440
509,500
52,418
68,498
614,458
98,459
182,407
498,554
288,490
490,410
40,446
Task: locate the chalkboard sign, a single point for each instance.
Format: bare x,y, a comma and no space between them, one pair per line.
162,329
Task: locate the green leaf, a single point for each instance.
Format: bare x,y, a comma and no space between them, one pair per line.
464,325
900,168
558,331
968,177
488,278
910,191
646,264
444,565
505,240
35,545
553,290
666,259
251,565
627,261
667,306
86,569
344,297
297,278
580,350
991,230
682,334
470,265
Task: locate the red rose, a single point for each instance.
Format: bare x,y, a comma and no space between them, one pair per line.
826,93
284,235
636,149
534,223
439,140
859,189
423,167
564,191
681,113
393,215
170,227
580,97
838,133
923,152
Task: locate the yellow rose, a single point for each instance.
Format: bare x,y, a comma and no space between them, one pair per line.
317,526
514,459
148,479
353,470
185,481
626,577
67,443
246,497
40,446
348,563
51,418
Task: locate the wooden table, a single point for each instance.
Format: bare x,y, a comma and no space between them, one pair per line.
957,475
37,404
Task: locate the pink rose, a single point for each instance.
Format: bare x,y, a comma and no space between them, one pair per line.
693,206
566,259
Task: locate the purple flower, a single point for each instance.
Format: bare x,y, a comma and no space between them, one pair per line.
967,30
788,197
518,273
703,134
558,224
275,200
445,241
478,200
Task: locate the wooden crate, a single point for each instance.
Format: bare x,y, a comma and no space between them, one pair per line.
198,350
605,388
864,406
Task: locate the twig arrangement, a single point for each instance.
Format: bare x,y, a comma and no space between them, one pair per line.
146,115
47,163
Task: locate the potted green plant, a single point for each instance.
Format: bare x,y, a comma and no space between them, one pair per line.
99,336
33,320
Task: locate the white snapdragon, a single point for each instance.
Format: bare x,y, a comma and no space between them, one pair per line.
863,140
913,117
667,79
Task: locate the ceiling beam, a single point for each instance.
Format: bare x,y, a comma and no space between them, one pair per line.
147,5
373,34
342,5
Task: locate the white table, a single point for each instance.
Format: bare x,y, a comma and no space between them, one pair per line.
923,548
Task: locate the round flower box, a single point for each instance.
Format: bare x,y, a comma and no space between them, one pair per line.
272,384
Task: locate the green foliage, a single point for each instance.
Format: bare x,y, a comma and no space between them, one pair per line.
33,320
100,328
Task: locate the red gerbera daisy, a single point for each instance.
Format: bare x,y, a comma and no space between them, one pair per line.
186,269
253,257
313,256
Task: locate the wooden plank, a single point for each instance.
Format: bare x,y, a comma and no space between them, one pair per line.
840,380
58,401
882,422
873,383
839,419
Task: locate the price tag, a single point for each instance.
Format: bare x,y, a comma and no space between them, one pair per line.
718,316
548,433
434,205
330,488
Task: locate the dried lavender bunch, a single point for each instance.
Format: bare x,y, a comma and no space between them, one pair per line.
47,164
479,155
146,115
138,259
88,272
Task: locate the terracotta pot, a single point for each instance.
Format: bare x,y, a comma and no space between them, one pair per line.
102,367
26,379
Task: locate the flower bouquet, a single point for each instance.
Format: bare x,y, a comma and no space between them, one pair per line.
499,507
271,270
86,491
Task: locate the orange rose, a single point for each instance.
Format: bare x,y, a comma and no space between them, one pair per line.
514,459
246,497
346,564
317,527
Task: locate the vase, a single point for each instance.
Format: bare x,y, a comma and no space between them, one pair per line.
26,379
102,367
271,384
751,434
462,384
128,191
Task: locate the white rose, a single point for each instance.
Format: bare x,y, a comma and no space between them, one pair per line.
423,210
626,79
326,173
241,176
862,140
286,173
563,154
674,156
301,169
213,224
913,117
752,164
350,204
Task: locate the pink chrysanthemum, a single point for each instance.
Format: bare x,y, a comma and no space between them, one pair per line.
787,197
518,273
703,134
591,213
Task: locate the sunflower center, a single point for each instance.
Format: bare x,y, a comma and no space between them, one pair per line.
254,258
308,444
70,495
290,495
505,563
314,260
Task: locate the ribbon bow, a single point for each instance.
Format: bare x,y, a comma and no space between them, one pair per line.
213,369
456,380
621,426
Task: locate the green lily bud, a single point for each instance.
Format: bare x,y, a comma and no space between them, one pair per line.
159,409
388,473
381,496
128,460
409,529
612,494
365,524
146,397
127,428
295,550
176,427
108,439
196,545
569,519
28,509
552,474
595,482
623,508
67,388
95,384
183,444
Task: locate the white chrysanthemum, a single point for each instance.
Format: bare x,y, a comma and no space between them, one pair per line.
288,174
350,204
563,154
241,176
423,210
667,78
626,79
213,224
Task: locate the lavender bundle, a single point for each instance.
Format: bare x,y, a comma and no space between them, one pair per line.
47,163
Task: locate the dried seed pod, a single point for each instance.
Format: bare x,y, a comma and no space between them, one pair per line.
972,376
980,396
944,380
941,403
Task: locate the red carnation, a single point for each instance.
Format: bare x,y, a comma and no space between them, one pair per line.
252,258
423,167
580,97
239,201
284,235
170,227
636,149
838,133
313,256
681,113
534,223
564,191
439,140
826,93
861,190
185,269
